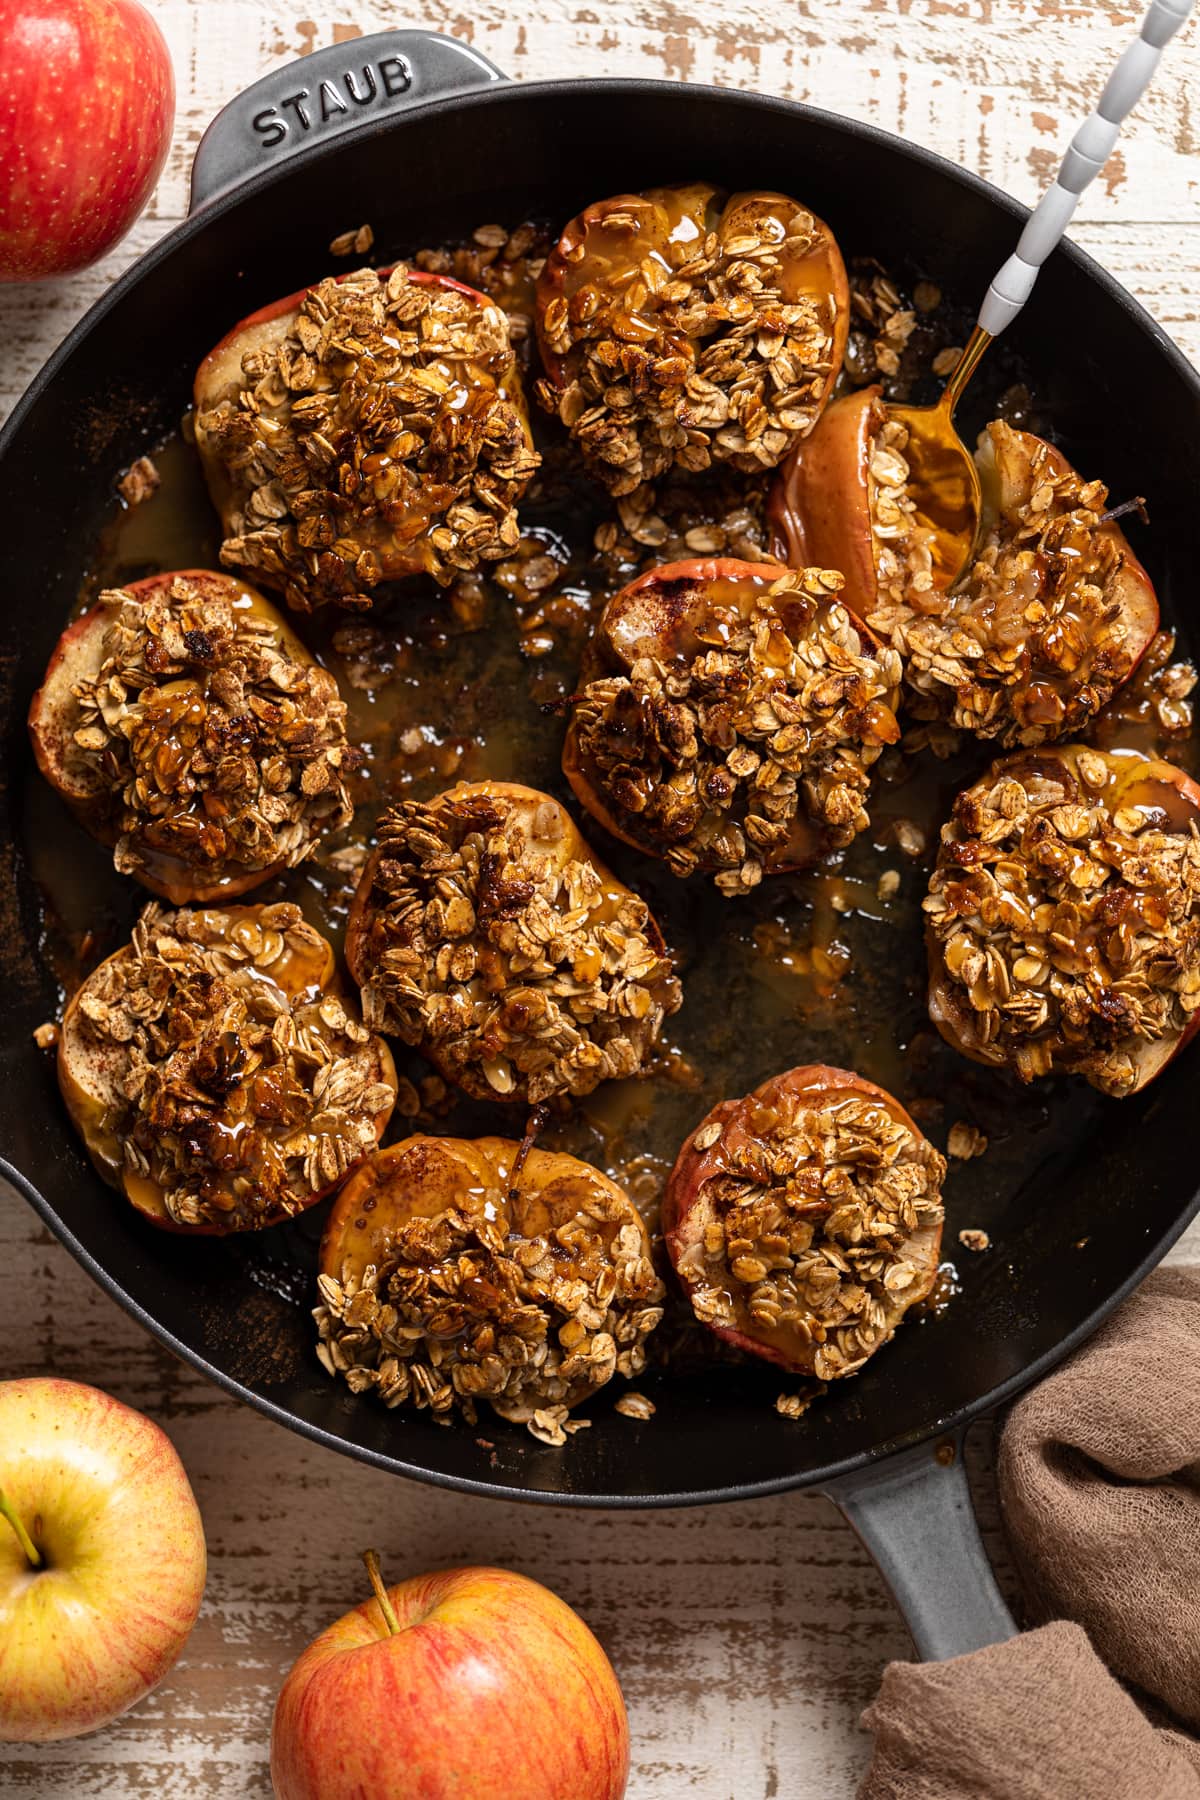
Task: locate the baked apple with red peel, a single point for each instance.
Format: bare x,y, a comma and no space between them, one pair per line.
215,1072
185,724
364,430
488,935
727,716
679,328
456,1270
1054,612
804,1220
1063,917
841,501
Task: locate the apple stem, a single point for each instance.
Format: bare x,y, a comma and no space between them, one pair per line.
371,1558
32,1553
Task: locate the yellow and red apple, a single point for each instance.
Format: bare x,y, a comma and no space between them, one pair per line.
471,1684
102,1558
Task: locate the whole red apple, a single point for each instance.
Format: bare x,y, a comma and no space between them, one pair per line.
87,100
474,1684
101,1558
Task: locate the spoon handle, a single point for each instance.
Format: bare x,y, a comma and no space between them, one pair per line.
1090,149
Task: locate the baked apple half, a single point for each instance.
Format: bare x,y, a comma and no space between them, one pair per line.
364,430
1063,917
804,1220
185,724
680,328
1054,612
841,501
457,1270
216,1072
487,934
727,717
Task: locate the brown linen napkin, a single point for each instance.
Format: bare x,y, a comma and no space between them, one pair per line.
1099,1475
1038,1718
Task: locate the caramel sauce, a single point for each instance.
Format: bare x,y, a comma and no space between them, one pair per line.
1146,784
665,227
621,265
431,702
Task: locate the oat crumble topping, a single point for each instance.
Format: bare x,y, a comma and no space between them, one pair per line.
1062,935
675,335
965,1141
746,745
1032,643
807,1237
880,323
793,1406
139,481
471,1305
206,742
383,434
493,941
216,1064
635,1406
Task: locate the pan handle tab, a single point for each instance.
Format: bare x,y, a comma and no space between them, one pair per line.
329,92
913,1513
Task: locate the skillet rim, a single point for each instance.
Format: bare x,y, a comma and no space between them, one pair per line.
504,93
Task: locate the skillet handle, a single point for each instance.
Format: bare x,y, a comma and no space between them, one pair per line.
328,92
913,1513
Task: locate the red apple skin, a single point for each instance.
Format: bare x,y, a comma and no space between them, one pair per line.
87,101
103,1494
493,1689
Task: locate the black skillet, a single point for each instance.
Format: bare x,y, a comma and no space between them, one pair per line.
431,142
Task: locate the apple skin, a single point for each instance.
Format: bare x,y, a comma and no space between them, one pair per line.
87,101
493,1689
105,1497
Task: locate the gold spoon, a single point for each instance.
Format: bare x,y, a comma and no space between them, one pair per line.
943,478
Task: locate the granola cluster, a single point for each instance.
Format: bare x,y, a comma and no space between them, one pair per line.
746,744
209,1059
1063,935
674,335
382,434
493,942
880,325
1032,642
819,1228
206,742
463,1307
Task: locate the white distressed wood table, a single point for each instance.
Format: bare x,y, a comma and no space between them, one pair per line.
747,1638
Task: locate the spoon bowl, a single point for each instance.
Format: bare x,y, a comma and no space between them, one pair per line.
943,480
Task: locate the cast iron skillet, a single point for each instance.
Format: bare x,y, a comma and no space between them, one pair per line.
425,159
